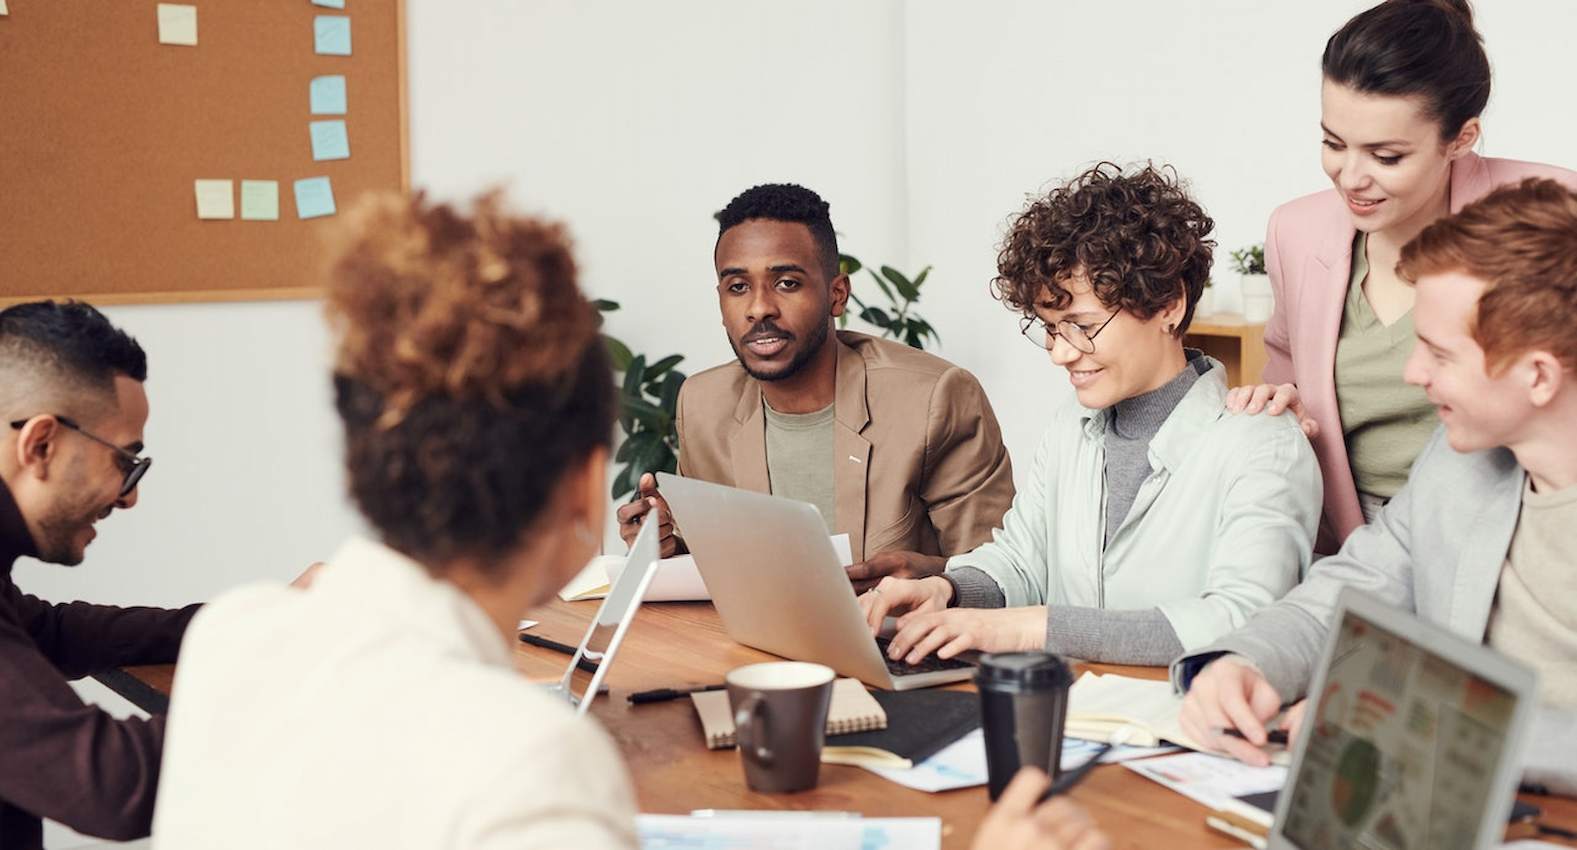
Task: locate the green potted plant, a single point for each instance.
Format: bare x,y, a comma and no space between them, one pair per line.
648,401
1249,263
896,319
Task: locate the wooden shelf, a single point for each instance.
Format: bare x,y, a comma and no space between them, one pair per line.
1238,343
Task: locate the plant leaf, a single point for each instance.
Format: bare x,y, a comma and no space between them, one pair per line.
633,375
883,284
647,414
876,316
603,305
656,370
668,399
618,352
847,264
621,485
901,283
920,278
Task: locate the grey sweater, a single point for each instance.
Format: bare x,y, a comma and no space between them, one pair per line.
1100,634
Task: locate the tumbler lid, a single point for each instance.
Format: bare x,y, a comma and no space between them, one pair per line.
1023,671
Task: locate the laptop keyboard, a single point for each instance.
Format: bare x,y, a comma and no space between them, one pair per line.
928,664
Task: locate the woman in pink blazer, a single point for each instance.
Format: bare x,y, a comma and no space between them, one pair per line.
1404,84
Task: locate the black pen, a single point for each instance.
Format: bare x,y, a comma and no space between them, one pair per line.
1274,736
1065,782
664,694
585,663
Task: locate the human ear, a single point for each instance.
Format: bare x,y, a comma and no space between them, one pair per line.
36,444
1465,139
1171,318
1544,375
839,290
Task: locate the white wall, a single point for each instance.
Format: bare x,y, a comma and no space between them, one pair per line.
1006,97
924,123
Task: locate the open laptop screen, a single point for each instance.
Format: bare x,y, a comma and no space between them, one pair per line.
1405,748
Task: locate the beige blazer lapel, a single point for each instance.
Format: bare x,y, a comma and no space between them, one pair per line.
1484,555
851,452
748,446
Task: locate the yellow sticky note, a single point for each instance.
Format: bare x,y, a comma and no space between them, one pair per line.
215,199
260,200
177,24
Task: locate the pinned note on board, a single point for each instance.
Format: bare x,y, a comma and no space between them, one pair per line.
330,4
314,197
327,94
3,10
215,199
260,200
177,24
329,140
331,35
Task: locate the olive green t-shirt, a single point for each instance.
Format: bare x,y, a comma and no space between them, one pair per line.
799,457
1385,420
1532,619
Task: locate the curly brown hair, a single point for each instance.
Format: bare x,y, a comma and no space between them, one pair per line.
1138,236
469,373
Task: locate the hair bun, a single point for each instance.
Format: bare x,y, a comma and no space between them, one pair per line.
430,301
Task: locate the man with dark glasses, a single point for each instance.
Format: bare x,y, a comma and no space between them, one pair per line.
71,388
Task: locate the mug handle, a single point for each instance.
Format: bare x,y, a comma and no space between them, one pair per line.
750,714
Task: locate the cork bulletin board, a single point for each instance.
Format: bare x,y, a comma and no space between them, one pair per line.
110,116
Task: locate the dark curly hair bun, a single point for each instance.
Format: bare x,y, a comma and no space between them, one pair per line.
1137,235
469,373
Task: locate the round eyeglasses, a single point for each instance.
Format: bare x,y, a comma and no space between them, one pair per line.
1045,336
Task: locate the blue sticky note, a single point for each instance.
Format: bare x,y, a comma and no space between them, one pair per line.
331,35
328,95
329,140
314,197
332,4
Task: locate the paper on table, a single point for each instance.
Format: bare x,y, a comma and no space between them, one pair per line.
592,581
177,24
314,197
774,830
215,199
1146,708
331,35
260,200
679,580
1211,780
962,764
329,140
525,624
327,95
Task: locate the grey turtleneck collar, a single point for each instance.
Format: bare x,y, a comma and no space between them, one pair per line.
1134,422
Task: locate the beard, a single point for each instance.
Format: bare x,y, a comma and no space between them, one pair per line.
813,344
61,526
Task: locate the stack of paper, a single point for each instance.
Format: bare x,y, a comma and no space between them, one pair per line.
776,830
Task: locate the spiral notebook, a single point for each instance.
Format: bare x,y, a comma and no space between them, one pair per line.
853,709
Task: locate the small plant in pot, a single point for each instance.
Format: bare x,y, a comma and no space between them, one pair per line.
1249,263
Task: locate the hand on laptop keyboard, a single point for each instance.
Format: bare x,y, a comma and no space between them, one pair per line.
928,664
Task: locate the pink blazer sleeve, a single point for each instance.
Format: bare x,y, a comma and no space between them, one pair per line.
1278,348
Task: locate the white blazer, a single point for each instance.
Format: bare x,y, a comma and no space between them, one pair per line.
377,709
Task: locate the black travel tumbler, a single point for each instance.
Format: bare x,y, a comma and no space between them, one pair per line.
1023,706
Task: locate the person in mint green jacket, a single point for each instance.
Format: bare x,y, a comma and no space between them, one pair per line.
1152,521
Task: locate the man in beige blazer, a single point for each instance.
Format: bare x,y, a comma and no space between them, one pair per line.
897,448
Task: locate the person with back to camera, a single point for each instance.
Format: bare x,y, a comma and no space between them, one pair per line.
1404,85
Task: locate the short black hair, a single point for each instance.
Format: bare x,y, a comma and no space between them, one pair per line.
76,337
785,202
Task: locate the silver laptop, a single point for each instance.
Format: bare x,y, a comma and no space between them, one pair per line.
613,619
1413,739
779,587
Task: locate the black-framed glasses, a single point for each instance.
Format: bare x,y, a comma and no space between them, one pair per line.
133,465
1035,329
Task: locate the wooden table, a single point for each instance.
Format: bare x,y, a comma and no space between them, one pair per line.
679,643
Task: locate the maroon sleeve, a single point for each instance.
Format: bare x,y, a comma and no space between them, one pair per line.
66,760
80,639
